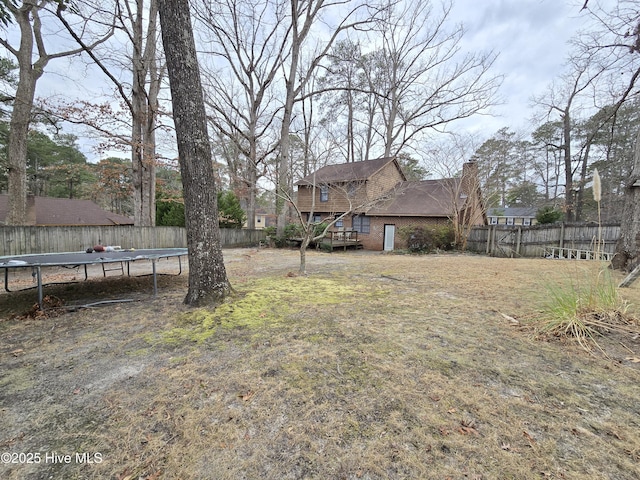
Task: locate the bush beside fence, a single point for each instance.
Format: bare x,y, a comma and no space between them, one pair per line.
27,240
534,241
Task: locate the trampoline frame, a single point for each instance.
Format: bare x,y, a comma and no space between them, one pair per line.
75,259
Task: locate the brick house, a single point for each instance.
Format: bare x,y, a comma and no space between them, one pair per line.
382,200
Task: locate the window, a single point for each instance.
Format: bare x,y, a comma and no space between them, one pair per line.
316,218
361,224
510,221
339,223
351,189
526,221
494,220
324,193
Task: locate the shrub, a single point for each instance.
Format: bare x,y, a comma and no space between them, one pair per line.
548,214
292,230
318,229
230,212
422,239
444,237
169,214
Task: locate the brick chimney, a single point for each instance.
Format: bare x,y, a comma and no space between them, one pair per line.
470,181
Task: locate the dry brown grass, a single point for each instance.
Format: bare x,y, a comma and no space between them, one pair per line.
373,367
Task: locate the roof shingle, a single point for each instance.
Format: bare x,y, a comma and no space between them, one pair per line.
346,172
50,211
426,198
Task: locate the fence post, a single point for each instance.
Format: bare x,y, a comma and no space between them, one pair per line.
518,237
562,235
486,248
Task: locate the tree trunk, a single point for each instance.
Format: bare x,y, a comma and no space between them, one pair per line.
627,247
252,181
21,115
579,198
568,168
144,111
208,283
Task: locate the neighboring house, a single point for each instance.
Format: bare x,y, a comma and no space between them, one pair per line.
50,211
383,200
511,216
264,219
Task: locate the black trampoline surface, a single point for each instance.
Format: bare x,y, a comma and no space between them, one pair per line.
82,258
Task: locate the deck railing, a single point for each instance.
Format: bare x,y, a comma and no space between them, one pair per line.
343,239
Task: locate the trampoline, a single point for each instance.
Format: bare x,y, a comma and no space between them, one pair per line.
76,259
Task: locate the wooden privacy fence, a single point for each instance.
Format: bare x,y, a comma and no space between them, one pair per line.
27,240
562,239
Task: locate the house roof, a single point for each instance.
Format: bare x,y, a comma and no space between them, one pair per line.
520,212
49,211
426,198
347,172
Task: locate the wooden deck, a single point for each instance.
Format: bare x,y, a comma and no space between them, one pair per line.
341,240
333,241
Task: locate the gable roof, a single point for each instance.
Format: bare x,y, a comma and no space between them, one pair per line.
348,172
425,198
49,211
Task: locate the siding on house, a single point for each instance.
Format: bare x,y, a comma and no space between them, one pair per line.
338,201
511,216
348,185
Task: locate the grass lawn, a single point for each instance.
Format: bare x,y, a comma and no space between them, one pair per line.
371,367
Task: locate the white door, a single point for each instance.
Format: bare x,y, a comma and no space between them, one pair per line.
389,237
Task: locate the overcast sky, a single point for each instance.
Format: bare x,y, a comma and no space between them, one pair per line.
530,37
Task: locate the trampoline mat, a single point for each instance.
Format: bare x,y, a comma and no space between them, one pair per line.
82,258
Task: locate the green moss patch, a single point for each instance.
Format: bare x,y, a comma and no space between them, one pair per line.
263,303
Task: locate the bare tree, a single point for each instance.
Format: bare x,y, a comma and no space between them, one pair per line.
614,34
462,183
314,227
303,16
32,56
208,283
421,79
140,100
564,99
548,164
249,37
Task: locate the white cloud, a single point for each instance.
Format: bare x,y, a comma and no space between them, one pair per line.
530,37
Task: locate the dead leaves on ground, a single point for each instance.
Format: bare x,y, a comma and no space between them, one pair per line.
246,397
467,426
52,307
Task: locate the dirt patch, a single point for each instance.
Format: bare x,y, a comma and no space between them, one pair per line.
373,366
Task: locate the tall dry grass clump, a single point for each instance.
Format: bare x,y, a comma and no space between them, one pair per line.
586,309
592,307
